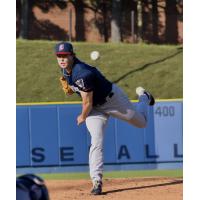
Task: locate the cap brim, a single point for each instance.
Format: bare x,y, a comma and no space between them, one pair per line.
65,53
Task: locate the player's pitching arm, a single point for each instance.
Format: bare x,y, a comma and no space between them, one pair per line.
87,101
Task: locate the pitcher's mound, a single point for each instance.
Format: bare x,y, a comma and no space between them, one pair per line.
150,188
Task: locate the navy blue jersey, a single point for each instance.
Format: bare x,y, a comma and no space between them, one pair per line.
87,78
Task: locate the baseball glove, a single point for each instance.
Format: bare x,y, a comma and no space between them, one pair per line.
65,86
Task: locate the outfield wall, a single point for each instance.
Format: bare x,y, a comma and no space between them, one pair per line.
48,138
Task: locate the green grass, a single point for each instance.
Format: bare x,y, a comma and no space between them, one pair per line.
158,68
116,174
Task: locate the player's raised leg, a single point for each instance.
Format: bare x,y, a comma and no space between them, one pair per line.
120,107
145,99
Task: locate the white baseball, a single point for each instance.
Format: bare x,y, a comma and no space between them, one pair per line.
94,55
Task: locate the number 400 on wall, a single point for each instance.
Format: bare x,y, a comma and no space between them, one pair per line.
165,111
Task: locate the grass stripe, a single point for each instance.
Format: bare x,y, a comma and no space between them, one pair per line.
116,174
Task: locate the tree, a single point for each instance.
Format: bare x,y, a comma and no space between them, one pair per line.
115,21
24,19
101,8
139,20
155,20
171,30
104,12
79,6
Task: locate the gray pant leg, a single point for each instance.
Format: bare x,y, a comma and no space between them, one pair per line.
120,107
139,118
96,123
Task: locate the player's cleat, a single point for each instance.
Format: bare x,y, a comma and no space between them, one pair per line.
97,188
141,91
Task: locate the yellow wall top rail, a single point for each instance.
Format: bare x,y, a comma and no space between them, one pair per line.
79,102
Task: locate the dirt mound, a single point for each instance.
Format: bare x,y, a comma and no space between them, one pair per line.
150,188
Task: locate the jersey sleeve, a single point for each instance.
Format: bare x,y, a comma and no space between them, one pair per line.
85,81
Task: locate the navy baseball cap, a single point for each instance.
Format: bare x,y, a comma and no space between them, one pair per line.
64,48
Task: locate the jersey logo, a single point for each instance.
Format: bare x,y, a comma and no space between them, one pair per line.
80,83
61,47
75,89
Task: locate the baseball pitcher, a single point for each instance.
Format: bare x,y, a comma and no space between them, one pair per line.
100,99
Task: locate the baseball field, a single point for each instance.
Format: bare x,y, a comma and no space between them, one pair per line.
127,65
137,185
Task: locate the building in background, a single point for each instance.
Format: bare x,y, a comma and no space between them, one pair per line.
154,21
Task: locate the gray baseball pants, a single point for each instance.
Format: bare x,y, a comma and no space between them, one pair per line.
117,106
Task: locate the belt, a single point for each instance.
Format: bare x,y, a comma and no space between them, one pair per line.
110,94
106,99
